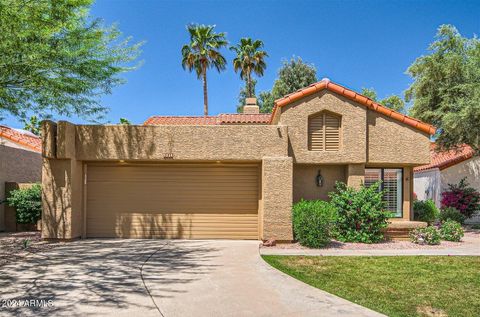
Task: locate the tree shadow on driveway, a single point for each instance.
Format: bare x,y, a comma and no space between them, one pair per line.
102,276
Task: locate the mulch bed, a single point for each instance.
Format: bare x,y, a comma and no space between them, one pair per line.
12,245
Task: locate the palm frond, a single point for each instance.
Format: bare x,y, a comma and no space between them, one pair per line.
250,57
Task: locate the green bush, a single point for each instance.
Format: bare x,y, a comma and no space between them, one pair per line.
313,222
361,214
425,210
450,213
27,203
428,235
451,231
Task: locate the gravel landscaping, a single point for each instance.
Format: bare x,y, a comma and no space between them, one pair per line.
12,245
471,238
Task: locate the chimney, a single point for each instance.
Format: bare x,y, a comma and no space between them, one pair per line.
251,106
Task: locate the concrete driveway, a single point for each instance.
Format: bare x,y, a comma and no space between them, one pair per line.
160,278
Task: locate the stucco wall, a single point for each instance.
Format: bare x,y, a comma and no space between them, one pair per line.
304,180
366,135
62,199
427,185
431,183
353,130
182,142
355,175
17,165
407,194
469,169
67,146
391,142
277,174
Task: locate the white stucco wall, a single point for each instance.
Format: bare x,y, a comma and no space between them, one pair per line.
470,169
430,184
426,185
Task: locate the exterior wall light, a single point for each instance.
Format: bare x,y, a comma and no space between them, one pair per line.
319,179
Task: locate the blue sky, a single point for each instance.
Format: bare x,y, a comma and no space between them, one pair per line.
354,43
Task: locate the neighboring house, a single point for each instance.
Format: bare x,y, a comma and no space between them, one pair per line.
228,176
447,167
20,161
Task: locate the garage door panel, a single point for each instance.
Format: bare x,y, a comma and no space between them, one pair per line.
174,226
173,201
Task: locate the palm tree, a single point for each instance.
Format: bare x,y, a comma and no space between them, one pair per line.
203,53
250,58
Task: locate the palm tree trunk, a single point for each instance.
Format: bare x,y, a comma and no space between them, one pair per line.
249,84
205,93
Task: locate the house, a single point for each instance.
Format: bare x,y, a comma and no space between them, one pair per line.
447,167
20,162
231,176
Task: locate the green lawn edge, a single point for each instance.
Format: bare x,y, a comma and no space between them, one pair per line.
400,286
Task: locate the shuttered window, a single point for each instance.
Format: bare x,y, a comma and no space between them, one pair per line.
324,132
392,185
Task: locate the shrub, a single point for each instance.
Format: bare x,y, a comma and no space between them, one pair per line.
428,235
361,214
450,213
476,226
462,197
27,203
451,231
313,222
425,210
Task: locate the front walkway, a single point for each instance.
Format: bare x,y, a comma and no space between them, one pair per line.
115,277
470,245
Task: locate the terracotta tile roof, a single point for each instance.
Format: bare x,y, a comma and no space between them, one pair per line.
241,118
235,118
180,120
445,159
24,139
350,94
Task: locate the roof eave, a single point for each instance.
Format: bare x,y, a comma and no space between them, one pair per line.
352,95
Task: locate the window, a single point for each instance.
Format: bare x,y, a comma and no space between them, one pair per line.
324,132
392,184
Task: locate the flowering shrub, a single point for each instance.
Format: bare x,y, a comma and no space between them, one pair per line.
425,210
462,197
361,213
450,213
451,231
428,235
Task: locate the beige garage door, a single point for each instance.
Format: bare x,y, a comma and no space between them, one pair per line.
203,201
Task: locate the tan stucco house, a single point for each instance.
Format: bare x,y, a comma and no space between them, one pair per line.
227,176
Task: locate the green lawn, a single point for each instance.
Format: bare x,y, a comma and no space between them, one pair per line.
395,286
